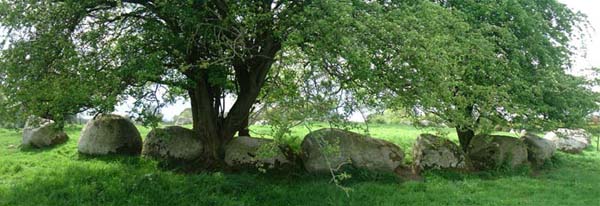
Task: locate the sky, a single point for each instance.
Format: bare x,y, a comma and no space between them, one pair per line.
591,8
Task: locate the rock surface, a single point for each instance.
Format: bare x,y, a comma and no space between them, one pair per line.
39,132
539,150
493,151
333,148
110,134
433,152
569,140
172,143
254,152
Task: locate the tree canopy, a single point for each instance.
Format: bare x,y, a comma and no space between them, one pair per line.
473,64
522,79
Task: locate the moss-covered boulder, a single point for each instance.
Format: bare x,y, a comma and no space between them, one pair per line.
539,150
433,152
172,144
494,151
110,134
327,149
40,132
249,152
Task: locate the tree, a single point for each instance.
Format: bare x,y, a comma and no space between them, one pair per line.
530,87
507,65
71,56
473,64
329,75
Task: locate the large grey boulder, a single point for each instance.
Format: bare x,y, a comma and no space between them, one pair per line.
539,150
493,151
173,143
433,152
110,134
246,151
574,133
569,140
39,132
327,149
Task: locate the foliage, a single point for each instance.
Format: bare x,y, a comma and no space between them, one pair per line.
11,116
324,76
472,64
389,117
510,69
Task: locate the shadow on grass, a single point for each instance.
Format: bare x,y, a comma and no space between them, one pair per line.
501,172
524,171
130,160
117,185
356,176
32,149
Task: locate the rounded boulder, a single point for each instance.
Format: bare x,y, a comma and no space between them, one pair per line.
172,143
39,132
433,152
110,134
494,151
539,150
569,140
246,151
331,149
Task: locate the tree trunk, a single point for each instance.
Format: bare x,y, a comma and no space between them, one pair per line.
215,129
206,125
465,133
464,137
244,130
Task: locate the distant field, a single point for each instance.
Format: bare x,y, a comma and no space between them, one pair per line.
60,176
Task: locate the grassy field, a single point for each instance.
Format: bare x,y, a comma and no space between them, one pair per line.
60,176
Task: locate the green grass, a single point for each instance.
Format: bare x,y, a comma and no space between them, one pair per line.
60,176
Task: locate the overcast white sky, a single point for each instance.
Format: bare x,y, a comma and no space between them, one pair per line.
592,9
